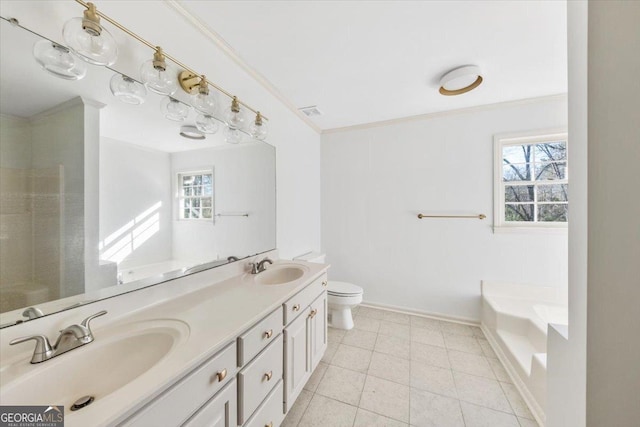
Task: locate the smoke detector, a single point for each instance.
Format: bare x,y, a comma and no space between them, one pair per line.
311,111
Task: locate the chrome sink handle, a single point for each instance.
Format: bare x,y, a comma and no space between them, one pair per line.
43,350
86,321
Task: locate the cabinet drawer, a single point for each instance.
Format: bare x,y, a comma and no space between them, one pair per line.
297,303
182,400
220,411
258,378
270,413
255,339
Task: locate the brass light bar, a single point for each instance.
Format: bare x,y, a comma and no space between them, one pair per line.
170,57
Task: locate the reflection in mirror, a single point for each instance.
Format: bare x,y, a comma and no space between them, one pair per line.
99,197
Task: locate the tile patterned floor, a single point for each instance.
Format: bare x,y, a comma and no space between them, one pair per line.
394,369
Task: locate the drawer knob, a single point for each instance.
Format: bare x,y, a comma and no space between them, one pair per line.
296,307
324,283
269,425
222,375
268,375
268,333
313,312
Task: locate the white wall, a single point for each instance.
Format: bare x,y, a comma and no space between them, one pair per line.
376,180
243,183
566,349
135,196
58,139
613,317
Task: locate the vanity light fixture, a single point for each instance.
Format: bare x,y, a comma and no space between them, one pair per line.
203,100
58,61
127,90
90,40
87,38
233,116
259,128
207,124
460,80
191,132
174,109
157,76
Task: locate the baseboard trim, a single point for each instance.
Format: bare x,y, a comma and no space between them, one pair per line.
421,313
536,410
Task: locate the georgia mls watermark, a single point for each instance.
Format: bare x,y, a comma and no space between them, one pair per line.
31,416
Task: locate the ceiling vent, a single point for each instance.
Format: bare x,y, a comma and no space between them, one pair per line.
311,111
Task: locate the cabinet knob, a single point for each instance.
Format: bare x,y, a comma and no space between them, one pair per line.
313,312
296,307
268,333
222,375
269,425
268,375
324,283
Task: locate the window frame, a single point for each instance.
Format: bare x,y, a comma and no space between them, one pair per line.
524,138
180,198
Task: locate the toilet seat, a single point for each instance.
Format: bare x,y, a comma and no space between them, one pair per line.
343,289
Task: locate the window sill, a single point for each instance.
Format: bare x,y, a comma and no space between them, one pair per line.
505,229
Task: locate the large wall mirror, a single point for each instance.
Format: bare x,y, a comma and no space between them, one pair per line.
99,197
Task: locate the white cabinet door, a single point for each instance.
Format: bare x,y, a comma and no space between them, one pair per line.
318,327
218,412
297,364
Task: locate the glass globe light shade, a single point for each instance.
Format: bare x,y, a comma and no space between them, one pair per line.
207,124
205,103
233,136
58,60
127,90
234,119
258,128
158,76
92,43
174,109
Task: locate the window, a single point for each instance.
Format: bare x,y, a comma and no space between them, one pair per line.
531,181
195,195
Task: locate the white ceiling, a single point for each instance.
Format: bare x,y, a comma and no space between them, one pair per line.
369,61
358,61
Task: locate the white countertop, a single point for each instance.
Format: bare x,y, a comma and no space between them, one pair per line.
215,313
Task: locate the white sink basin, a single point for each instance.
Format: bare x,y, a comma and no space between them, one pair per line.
281,274
114,359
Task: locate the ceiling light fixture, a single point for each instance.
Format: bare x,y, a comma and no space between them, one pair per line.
460,80
191,132
89,40
127,90
58,61
157,76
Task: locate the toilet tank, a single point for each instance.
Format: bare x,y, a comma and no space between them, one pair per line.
312,257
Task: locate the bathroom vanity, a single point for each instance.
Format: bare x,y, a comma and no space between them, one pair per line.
219,348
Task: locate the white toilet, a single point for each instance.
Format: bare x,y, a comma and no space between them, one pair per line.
341,296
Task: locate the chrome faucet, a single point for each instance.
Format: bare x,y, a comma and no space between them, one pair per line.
70,337
260,266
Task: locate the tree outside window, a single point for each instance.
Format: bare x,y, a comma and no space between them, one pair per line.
195,195
533,187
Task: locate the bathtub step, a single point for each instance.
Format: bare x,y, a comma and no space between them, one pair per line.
521,349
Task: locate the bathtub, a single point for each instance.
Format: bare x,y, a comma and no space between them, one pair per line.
132,274
515,319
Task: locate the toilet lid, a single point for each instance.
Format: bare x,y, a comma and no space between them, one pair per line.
343,288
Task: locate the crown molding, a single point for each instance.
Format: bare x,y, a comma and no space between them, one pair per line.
235,57
438,114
